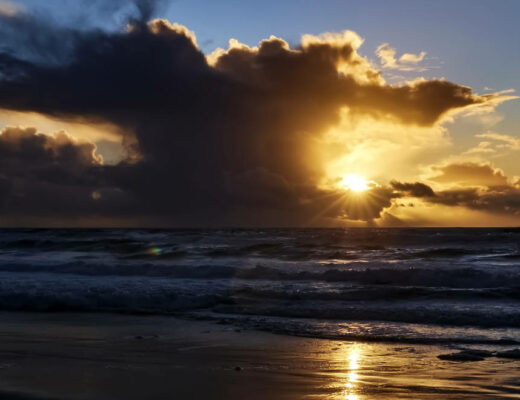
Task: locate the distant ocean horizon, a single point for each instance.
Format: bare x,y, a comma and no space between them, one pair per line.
420,285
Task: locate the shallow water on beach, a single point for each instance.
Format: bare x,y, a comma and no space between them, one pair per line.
459,286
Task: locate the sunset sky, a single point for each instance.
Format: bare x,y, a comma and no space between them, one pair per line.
274,113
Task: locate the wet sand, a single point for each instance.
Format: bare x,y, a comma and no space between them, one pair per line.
93,356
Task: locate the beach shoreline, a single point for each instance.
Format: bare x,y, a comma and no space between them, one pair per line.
110,356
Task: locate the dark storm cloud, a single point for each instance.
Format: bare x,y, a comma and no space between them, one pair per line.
209,143
52,174
45,173
25,152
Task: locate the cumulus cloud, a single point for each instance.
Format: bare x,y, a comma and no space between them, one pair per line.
24,150
218,139
55,179
470,174
407,61
481,187
37,171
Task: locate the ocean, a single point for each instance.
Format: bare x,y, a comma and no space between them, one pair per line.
446,286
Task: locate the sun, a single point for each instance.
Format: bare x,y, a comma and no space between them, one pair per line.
355,183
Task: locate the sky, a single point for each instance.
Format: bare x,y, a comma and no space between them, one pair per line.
274,113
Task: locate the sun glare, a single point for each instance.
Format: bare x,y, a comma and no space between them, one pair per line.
354,182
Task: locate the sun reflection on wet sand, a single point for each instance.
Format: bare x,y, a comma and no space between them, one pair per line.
362,371
345,365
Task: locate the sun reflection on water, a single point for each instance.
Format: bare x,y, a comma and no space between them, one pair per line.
353,359
352,376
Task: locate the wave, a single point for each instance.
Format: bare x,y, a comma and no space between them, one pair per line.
281,244
448,252
465,277
375,331
424,313
428,277
376,293
163,296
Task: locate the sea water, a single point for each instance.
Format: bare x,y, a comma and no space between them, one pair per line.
400,285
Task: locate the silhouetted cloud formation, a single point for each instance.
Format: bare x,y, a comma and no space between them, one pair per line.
505,201
474,186
223,139
416,189
42,173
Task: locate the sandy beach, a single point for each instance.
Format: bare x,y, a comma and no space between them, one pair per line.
93,356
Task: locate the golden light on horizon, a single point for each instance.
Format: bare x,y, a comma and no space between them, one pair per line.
355,183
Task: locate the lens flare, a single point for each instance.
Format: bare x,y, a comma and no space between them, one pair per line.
156,251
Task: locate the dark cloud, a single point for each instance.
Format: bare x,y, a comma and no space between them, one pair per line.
53,180
37,35
416,189
41,173
207,143
52,158
503,201
500,199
